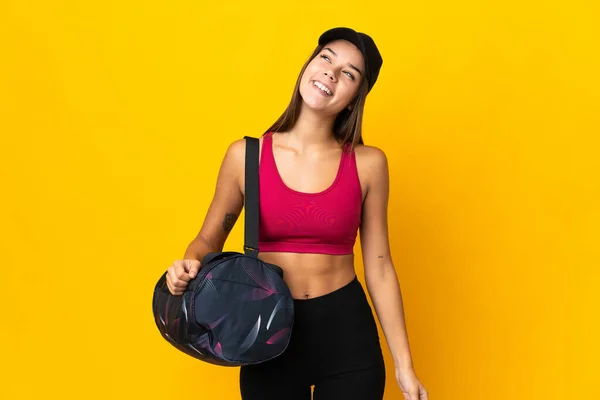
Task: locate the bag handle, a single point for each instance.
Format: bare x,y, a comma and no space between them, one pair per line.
251,198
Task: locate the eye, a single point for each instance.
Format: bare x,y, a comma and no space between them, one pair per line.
326,58
349,74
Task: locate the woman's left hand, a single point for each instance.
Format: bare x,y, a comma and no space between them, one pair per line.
411,387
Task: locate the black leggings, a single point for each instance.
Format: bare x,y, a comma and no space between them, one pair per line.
334,346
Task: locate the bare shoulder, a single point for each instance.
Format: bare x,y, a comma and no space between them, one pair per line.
371,160
236,149
235,157
234,162
236,152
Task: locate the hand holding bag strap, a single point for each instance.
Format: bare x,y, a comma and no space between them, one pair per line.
251,198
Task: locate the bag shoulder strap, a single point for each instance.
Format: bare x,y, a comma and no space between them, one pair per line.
251,199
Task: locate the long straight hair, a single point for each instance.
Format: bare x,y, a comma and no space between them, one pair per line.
348,123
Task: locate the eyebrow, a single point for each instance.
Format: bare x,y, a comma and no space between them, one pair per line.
351,66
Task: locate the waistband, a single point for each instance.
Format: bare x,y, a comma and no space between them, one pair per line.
343,310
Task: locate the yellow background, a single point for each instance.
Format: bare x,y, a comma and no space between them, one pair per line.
114,117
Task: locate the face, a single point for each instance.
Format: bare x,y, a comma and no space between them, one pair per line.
331,80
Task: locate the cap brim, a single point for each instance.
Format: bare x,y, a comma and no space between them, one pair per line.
343,33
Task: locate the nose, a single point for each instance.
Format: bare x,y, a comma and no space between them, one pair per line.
330,75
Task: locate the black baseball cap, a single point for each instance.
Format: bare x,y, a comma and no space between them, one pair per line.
365,44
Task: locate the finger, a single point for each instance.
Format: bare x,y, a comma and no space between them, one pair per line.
186,264
181,274
179,283
175,281
424,394
174,291
414,395
192,267
171,277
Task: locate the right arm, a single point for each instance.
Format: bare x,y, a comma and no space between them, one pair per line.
224,210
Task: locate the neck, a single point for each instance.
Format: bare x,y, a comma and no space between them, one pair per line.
313,129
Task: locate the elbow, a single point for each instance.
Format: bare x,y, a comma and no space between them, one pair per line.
381,273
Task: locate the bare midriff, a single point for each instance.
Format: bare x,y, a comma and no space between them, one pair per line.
313,275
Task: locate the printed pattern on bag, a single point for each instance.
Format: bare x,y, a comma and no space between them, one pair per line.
237,311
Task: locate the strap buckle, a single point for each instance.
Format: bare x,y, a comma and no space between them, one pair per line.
250,250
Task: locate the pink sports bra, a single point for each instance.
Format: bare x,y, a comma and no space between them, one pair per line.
325,223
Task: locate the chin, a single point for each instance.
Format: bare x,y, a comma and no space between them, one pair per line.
325,110
314,104
317,103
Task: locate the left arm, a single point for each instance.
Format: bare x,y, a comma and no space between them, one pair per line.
380,274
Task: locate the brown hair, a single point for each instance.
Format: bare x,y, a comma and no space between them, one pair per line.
348,123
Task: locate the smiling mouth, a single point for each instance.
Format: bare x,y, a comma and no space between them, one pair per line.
323,88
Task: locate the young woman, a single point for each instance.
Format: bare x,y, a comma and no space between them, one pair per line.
320,185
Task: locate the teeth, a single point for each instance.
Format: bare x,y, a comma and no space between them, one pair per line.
323,88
